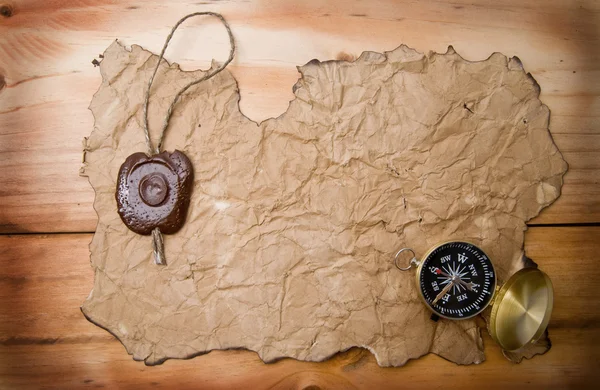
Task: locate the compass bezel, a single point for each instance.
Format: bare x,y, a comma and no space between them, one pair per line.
422,296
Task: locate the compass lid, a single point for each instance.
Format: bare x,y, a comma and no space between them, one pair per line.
521,309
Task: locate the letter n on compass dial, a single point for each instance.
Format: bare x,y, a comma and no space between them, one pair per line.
456,280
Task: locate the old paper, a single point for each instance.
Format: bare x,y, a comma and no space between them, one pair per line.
293,223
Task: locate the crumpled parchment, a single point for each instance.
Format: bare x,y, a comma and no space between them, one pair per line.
293,223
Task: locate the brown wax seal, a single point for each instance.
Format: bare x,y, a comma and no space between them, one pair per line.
154,191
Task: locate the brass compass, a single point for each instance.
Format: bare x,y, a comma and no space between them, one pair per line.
456,280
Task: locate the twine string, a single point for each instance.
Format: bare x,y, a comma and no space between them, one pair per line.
158,247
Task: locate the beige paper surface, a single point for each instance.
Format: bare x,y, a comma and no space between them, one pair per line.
293,223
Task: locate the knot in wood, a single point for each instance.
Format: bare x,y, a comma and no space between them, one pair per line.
6,10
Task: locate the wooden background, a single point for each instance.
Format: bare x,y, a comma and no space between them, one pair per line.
46,217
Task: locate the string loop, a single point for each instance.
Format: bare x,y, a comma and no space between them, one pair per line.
207,76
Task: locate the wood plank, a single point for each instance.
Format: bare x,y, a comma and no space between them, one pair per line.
45,340
569,255
571,363
44,279
46,48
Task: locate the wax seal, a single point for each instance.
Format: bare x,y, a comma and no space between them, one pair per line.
154,192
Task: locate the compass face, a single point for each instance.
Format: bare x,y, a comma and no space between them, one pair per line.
457,280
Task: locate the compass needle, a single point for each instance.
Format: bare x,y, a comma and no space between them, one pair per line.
442,293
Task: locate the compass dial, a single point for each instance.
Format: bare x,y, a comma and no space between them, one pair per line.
457,280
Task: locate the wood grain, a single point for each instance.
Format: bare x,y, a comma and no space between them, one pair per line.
44,279
46,49
93,364
47,81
